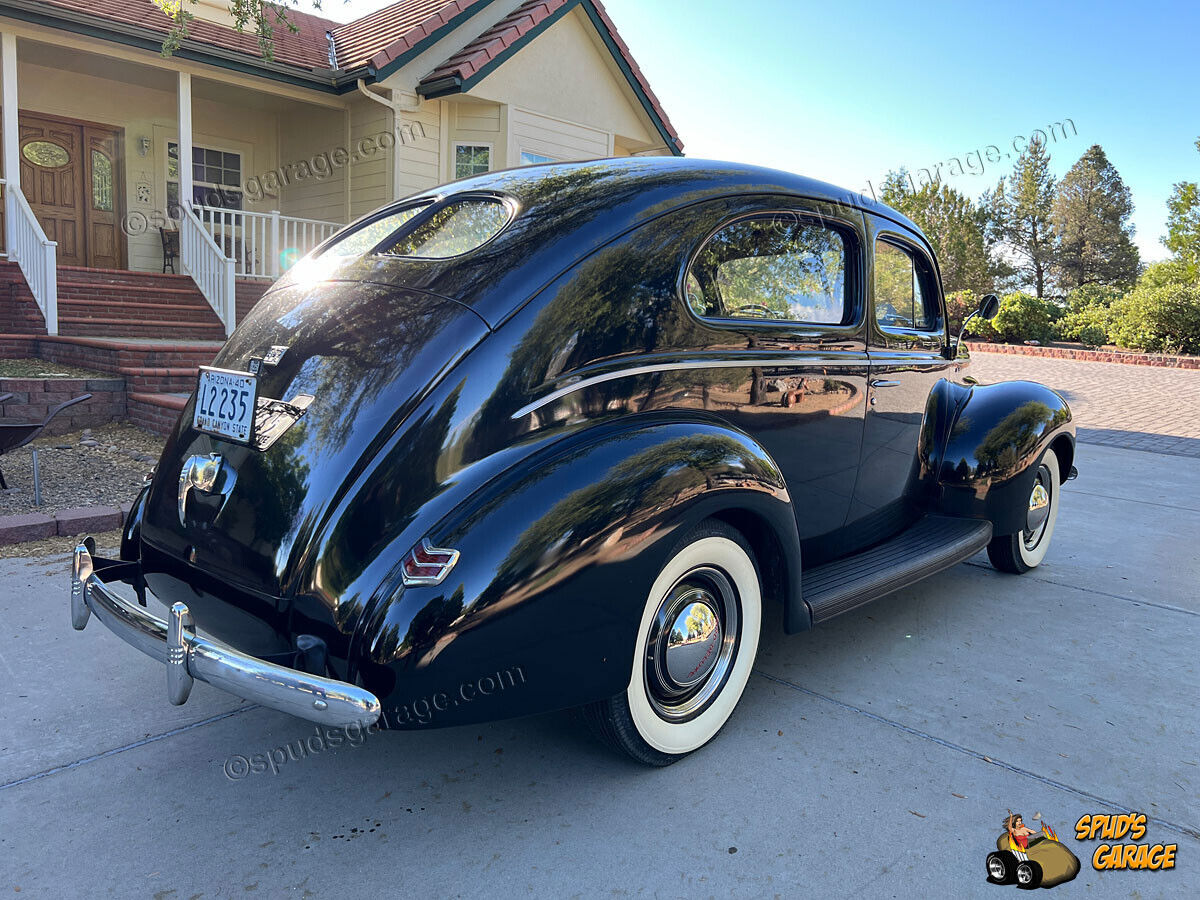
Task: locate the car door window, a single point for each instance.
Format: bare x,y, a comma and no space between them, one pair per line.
903,299
777,267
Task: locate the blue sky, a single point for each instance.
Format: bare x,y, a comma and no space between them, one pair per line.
845,91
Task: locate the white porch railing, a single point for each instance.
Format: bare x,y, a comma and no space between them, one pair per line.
210,268
28,246
262,245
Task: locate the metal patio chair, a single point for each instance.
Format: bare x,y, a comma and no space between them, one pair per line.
18,434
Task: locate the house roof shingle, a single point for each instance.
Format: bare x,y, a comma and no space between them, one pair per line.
389,32
305,49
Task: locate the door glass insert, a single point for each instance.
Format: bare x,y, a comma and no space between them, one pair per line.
47,154
102,182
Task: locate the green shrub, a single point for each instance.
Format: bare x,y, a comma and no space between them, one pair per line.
959,305
1158,318
1022,317
1089,325
1160,274
1091,295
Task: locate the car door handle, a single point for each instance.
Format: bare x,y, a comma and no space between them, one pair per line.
879,382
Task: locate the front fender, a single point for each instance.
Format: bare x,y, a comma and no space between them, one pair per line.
556,558
994,436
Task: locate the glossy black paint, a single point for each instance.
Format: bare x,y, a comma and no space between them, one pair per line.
550,406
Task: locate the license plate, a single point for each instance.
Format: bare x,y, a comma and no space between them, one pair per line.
225,403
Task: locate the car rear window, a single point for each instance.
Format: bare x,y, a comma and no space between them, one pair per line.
456,228
362,239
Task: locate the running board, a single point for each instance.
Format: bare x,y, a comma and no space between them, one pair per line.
930,545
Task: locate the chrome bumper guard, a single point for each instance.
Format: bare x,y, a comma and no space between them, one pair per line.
188,657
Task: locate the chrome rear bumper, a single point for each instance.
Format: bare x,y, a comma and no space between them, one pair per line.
188,657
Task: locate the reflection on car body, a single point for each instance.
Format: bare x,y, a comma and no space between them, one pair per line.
560,412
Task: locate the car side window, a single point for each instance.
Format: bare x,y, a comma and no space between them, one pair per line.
903,298
778,267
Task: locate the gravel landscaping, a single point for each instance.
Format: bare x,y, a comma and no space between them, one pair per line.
101,466
41,368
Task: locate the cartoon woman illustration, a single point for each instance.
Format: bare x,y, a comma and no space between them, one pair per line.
1018,832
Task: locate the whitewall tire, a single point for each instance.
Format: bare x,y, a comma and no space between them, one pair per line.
696,644
1025,550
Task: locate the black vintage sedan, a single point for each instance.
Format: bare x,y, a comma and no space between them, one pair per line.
557,437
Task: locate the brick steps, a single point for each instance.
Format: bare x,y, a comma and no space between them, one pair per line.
95,326
108,303
156,411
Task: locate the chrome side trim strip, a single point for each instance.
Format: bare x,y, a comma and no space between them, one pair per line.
789,361
188,656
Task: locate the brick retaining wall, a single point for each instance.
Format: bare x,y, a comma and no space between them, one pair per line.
1124,357
33,398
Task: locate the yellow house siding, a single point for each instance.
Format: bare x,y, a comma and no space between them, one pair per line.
308,146
371,179
560,140
418,146
567,73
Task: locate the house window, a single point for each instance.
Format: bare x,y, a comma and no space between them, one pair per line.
472,159
533,159
216,178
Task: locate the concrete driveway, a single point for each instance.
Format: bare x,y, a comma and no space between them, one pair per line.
873,757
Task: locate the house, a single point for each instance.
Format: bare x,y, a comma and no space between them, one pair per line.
112,140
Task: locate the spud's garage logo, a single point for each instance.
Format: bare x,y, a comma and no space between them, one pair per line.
1111,855
1029,858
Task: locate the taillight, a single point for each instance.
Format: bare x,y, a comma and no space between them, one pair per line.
427,564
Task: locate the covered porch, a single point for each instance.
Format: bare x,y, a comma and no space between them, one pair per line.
114,163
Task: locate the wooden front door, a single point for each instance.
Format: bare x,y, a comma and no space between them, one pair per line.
71,174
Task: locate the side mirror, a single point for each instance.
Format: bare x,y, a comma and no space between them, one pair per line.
988,307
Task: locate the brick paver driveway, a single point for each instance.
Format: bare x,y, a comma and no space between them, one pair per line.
1136,407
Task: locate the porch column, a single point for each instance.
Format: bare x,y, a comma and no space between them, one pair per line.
8,122
185,141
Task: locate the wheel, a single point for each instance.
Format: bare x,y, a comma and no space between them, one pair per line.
1029,874
695,647
1002,867
1020,552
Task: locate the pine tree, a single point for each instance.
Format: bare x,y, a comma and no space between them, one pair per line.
1091,222
954,226
1183,225
1020,213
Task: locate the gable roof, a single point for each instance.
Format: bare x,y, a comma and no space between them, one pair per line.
476,60
371,47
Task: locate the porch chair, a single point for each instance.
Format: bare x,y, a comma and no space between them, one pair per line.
18,434
170,245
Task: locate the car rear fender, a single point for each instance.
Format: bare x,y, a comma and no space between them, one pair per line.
555,558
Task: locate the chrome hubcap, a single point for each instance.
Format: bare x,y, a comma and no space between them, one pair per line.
1024,874
1039,509
995,867
691,644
